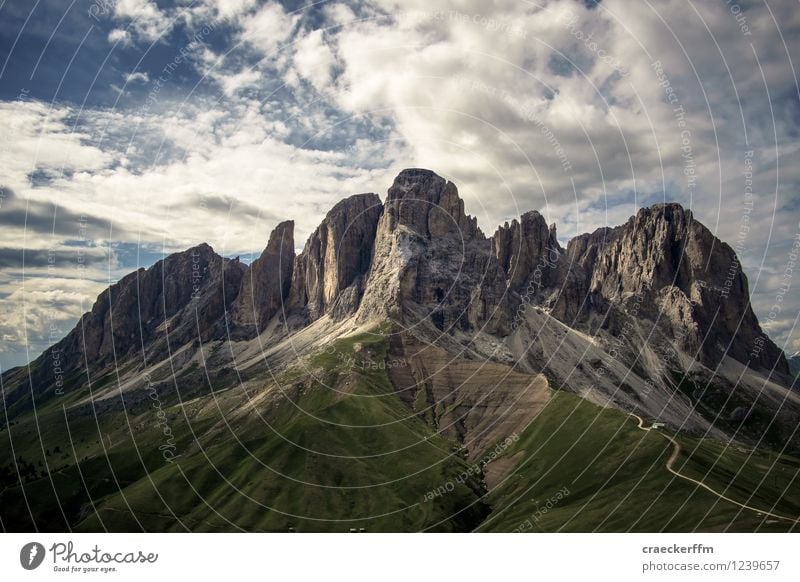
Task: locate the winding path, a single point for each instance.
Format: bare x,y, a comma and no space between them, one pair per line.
674,457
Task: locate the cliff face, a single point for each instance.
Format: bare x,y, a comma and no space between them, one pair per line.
266,285
538,271
329,273
527,251
150,311
432,265
678,273
429,205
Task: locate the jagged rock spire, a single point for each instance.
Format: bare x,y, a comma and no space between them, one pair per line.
266,285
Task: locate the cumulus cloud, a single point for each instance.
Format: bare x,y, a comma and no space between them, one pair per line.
233,83
268,27
44,142
40,312
314,60
230,8
118,35
164,202
137,77
146,19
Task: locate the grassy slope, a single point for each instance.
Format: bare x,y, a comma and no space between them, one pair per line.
616,479
251,476
247,476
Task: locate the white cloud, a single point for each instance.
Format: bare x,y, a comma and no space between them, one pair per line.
43,141
268,28
230,8
339,13
314,60
231,84
149,22
166,201
137,77
39,312
120,36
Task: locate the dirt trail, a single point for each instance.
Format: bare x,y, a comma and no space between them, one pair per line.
677,449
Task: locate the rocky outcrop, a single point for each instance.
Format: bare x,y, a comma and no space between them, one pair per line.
538,270
432,265
429,205
266,285
329,273
180,298
528,249
677,273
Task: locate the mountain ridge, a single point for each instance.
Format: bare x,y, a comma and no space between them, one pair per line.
418,259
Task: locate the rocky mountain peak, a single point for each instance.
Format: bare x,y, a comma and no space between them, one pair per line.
429,256
167,303
419,259
523,245
266,285
429,205
678,273
660,246
670,211
331,268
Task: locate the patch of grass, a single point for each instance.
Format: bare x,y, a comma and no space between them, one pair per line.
757,477
616,479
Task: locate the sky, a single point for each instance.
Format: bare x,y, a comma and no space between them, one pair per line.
130,129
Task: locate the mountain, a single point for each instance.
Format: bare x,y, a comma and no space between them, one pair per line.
406,372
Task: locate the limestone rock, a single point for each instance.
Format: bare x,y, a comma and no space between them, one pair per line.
528,250
628,294
266,285
681,274
178,299
429,205
336,257
431,263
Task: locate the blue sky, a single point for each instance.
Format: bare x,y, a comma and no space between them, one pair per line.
135,128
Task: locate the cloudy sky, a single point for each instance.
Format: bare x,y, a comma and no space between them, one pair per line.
134,128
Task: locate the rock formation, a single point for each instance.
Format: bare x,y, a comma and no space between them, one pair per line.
682,275
431,262
614,301
527,250
330,270
266,285
150,311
